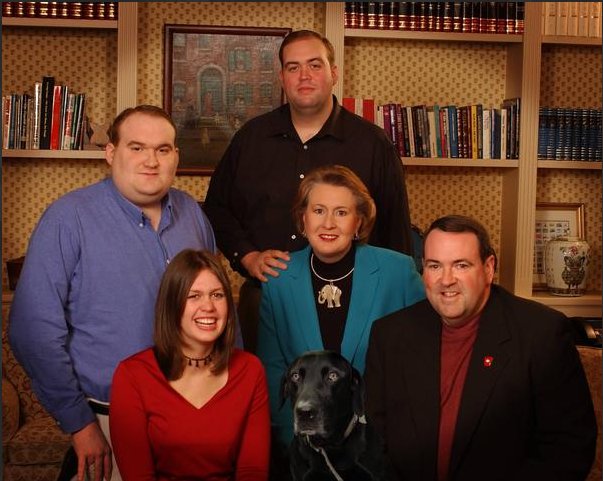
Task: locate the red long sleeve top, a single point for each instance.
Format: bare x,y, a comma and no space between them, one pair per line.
158,435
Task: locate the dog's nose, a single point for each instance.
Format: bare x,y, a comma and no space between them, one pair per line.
306,412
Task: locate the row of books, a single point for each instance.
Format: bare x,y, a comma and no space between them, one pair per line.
470,132
569,134
80,10
53,118
574,19
477,17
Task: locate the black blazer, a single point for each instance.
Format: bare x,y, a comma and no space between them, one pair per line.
527,416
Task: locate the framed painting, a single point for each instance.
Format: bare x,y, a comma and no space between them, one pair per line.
215,79
554,220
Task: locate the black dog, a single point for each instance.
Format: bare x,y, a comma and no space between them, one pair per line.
332,440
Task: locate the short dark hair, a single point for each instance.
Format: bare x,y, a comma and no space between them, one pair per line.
461,223
339,176
151,110
169,308
304,34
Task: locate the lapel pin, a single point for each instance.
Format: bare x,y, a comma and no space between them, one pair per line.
488,360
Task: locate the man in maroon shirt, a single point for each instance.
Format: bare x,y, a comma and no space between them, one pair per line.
475,383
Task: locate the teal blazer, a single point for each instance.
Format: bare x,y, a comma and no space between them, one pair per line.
383,282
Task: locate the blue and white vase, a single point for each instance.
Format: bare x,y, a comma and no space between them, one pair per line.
566,262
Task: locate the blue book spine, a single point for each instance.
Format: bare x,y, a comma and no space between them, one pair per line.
454,132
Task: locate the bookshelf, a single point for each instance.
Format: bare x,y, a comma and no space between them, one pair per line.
125,85
98,57
521,181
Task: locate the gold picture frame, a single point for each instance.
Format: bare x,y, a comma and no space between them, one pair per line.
216,78
553,220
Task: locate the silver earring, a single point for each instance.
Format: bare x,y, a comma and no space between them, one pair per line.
356,236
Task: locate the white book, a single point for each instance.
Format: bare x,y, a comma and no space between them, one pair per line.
572,19
379,116
594,19
486,133
503,134
37,103
358,107
68,137
562,10
550,20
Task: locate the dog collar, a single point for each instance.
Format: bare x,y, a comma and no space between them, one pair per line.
319,449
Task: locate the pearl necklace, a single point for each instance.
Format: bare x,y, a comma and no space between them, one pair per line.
329,293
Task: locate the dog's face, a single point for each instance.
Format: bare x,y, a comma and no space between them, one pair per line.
325,392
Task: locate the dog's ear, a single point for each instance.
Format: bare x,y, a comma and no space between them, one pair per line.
285,390
357,393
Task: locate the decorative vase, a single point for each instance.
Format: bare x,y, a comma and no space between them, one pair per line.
566,262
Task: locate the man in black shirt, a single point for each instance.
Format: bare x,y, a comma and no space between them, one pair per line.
251,192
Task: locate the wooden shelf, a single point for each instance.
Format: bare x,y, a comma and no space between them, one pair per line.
567,40
53,154
569,164
445,162
58,22
432,36
588,305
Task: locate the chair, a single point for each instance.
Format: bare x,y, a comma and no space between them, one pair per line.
32,443
591,361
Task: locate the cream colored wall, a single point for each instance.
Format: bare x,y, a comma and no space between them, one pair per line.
423,72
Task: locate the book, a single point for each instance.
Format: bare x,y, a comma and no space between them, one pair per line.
520,12
562,12
486,133
453,128
432,135
496,128
503,134
399,131
35,128
5,120
572,19
405,131
368,110
594,19
583,20
46,111
437,148
55,125
411,132
387,126
445,132
474,154
67,138
349,103
404,16
447,16
24,121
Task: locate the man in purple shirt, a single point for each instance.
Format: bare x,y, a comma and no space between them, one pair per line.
86,295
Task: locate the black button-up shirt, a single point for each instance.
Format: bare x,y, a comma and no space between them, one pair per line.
252,190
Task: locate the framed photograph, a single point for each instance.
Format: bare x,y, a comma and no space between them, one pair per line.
215,79
554,220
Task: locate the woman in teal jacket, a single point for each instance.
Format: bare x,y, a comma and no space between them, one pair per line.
333,290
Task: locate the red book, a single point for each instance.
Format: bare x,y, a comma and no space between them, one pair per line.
349,103
55,128
368,110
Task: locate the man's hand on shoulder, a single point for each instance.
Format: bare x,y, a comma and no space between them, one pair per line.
260,263
93,453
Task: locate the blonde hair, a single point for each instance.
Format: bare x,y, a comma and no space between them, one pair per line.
339,176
